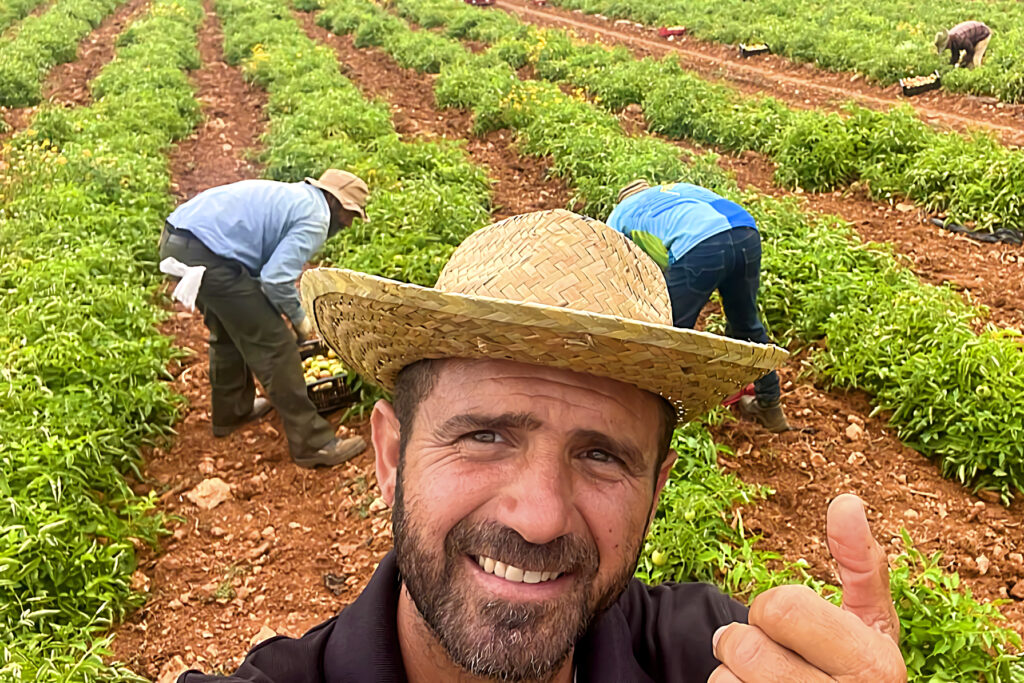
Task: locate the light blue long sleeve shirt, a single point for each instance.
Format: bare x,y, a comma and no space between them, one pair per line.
680,215
272,228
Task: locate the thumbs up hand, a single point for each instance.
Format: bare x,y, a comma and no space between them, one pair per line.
796,635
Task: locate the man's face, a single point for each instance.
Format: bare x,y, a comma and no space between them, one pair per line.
520,508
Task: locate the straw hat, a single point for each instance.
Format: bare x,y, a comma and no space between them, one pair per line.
941,40
348,188
548,288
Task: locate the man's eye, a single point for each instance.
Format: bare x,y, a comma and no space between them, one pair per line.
485,437
598,455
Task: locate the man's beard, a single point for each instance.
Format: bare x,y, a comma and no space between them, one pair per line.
495,638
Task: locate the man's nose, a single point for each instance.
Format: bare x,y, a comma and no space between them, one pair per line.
537,501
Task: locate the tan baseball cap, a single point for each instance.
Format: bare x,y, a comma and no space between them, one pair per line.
347,187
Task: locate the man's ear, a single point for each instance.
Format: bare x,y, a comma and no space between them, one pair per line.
663,472
386,438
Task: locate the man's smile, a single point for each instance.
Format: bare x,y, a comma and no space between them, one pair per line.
508,582
514,574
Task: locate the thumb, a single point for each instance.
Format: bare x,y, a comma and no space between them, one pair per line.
863,569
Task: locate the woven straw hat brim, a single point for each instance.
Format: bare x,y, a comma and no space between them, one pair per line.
378,326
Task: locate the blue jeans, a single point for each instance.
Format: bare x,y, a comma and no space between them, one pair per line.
731,263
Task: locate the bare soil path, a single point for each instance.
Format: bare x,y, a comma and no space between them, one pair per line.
521,182
800,85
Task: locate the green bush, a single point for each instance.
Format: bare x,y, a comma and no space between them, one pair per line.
81,390
41,43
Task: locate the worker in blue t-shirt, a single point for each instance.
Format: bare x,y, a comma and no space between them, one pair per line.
704,242
253,238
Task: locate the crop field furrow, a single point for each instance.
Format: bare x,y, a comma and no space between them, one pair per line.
68,83
801,85
42,43
884,42
80,348
515,177
893,155
12,11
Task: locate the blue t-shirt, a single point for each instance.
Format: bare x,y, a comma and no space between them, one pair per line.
680,215
272,228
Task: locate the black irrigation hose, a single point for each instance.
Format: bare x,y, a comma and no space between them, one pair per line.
1005,235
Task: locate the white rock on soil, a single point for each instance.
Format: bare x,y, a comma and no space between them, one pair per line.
264,633
172,669
983,564
210,493
854,432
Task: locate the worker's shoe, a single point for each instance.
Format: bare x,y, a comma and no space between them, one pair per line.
334,453
769,415
260,407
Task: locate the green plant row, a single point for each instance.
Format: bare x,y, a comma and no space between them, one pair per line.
13,10
954,394
973,179
691,538
948,636
43,42
425,197
81,389
883,40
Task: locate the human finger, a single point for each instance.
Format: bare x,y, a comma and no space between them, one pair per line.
752,657
863,567
832,639
723,675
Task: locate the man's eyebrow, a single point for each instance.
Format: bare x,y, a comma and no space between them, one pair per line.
471,422
626,450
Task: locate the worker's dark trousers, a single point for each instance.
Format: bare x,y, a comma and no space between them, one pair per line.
248,336
731,263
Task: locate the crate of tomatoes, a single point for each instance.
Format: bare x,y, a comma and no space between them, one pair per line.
915,85
325,377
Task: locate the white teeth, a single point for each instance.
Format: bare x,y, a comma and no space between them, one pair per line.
514,574
530,577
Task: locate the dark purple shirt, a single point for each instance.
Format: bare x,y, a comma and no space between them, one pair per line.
660,633
964,37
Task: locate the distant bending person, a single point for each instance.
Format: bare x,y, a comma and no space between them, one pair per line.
969,38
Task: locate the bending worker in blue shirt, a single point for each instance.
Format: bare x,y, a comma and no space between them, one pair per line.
254,237
711,243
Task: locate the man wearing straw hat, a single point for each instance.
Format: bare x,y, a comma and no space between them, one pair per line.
536,389
968,37
705,242
239,250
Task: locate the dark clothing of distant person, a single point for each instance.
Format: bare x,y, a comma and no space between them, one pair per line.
970,38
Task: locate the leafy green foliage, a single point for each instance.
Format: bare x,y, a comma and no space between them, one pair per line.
41,43
12,10
80,390
947,634
894,154
884,40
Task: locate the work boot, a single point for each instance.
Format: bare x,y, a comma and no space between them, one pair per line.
769,415
260,407
334,453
